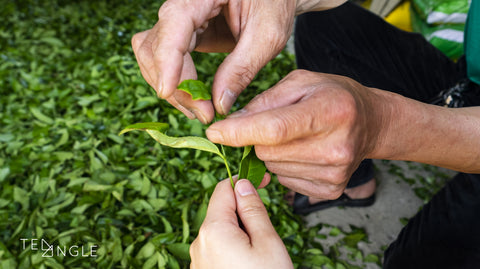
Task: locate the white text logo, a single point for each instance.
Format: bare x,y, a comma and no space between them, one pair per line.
50,250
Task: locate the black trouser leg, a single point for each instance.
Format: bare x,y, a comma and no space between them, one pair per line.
445,233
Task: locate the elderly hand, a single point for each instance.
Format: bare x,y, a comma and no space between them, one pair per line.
221,243
254,31
311,129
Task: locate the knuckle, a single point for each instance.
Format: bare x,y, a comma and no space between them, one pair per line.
330,192
347,112
334,194
332,176
143,52
234,138
279,129
193,247
262,152
341,155
273,167
298,74
245,75
136,41
252,210
260,100
157,58
166,8
276,40
338,176
206,233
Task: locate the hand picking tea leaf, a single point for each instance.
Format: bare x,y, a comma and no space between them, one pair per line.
251,167
197,89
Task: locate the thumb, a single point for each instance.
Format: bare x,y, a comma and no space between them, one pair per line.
252,213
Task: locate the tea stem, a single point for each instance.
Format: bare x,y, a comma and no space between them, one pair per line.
226,165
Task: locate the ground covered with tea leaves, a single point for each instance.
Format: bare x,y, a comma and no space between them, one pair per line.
69,83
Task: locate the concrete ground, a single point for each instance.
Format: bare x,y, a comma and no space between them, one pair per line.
395,199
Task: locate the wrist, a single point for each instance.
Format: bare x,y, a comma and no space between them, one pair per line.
303,6
409,130
383,106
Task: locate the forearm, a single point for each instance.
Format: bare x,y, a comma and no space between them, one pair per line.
414,131
316,5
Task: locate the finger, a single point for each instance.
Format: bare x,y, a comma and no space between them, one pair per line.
252,213
335,175
222,205
319,149
272,127
177,23
265,120
313,189
180,99
173,101
265,181
202,109
290,90
141,45
220,228
240,67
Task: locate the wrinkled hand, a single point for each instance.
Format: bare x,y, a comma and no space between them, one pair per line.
221,242
254,31
311,129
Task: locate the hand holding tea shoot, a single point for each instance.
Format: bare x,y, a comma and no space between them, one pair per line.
251,167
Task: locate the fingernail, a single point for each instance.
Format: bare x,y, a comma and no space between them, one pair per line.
244,187
237,114
160,88
199,115
214,135
227,100
186,112
190,116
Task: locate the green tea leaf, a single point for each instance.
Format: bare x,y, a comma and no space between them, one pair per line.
155,129
146,251
197,89
185,225
40,116
180,250
200,214
371,258
251,167
192,142
4,173
158,126
352,240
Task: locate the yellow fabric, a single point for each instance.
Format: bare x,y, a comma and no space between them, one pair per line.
366,4
400,17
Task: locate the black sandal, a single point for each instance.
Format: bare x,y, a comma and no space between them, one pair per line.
302,206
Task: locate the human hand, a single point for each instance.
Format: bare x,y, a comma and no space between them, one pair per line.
311,129
253,31
221,243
